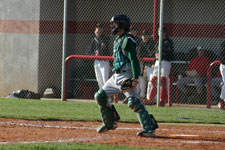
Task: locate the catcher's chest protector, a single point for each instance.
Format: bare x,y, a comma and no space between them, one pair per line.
120,58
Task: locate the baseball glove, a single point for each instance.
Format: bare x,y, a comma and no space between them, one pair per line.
126,85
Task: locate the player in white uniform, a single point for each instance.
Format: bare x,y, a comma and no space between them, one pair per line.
167,57
222,71
146,49
100,47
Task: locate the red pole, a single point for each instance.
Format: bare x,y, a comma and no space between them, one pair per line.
209,85
66,75
155,19
209,81
170,84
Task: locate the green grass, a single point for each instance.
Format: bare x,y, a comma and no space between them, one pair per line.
68,146
83,111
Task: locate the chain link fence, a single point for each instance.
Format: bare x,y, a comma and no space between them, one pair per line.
31,44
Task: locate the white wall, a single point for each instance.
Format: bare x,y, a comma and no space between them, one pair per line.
18,51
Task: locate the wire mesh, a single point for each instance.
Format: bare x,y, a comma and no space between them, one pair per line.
33,61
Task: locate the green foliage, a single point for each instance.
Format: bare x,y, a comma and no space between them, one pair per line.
88,111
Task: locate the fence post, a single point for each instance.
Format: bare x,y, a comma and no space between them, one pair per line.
64,51
160,51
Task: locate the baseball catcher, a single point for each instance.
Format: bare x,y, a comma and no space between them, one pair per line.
126,69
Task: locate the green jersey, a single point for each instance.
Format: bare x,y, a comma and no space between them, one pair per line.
124,51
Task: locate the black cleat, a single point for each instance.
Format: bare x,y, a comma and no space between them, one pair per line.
146,134
103,128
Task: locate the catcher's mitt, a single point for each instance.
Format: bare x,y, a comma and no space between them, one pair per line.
126,85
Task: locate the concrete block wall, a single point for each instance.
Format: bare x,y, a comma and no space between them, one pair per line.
19,49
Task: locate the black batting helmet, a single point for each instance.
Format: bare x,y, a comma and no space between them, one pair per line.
123,22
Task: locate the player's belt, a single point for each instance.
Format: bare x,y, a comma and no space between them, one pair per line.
120,71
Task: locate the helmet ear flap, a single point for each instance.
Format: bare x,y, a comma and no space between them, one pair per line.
124,26
114,29
122,21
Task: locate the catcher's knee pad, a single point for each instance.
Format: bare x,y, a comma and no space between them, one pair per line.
135,104
154,81
101,97
163,81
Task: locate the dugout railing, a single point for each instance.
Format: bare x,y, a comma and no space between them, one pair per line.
91,57
209,82
171,78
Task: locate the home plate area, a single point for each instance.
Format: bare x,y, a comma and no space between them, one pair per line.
174,136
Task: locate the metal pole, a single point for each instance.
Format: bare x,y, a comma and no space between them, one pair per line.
160,50
64,51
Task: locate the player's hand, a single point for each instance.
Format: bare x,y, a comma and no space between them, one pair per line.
153,66
103,45
96,53
156,55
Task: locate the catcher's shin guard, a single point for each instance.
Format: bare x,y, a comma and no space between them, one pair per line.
116,116
153,121
147,121
108,118
163,91
149,133
153,90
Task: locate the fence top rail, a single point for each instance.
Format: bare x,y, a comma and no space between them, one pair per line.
90,57
93,57
212,65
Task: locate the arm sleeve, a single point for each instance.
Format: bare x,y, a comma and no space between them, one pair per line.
132,56
207,65
106,50
108,46
190,65
168,50
91,48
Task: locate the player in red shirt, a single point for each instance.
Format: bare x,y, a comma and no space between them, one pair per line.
196,72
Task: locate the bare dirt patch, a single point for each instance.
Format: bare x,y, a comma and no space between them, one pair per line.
168,136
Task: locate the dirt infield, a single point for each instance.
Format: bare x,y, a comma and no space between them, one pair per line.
168,136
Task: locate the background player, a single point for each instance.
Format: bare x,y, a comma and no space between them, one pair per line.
167,56
146,49
100,47
222,71
126,65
